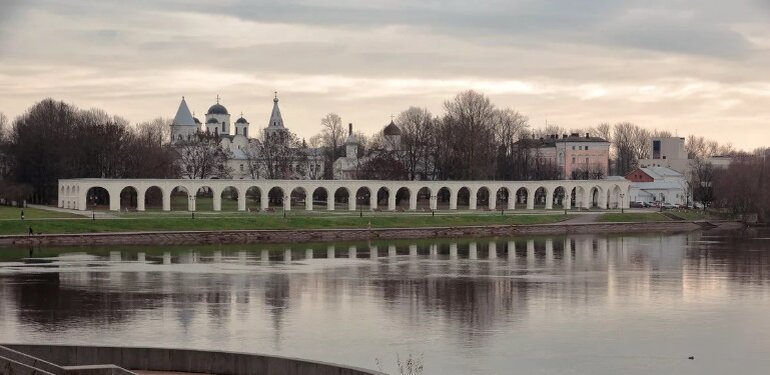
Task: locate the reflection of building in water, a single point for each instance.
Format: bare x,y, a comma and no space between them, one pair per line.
475,287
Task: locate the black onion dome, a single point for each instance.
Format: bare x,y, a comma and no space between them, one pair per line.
212,121
391,129
241,121
196,120
217,109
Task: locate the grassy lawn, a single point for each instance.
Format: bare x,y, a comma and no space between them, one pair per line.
7,212
693,215
631,217
271,221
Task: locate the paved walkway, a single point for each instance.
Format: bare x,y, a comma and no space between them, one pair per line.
583,219
99,214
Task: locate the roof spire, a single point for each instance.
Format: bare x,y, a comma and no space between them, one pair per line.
183,116
275,117
217,98
275,100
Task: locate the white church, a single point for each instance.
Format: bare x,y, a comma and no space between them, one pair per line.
235,138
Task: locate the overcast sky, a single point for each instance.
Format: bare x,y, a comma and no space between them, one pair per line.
688,66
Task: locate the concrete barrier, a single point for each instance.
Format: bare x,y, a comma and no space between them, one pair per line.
324,235
183,360
9,366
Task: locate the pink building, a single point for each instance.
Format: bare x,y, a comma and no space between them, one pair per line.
577,157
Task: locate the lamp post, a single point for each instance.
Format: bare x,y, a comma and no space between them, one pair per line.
433,198
622,206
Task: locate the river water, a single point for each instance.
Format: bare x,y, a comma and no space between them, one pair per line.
584,304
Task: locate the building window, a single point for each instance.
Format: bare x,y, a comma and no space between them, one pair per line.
241,167
573,148
586,148
573,160
586,160
656,149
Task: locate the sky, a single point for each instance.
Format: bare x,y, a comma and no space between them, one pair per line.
687,66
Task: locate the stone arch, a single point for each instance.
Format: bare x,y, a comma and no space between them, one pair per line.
463,198
502,197
299,198
253,198
320,196
617,198
97,198
364,198
595,197
180,199
129,198
558,197
341,197
229,198
153,198
522,197
578,197
443,198
403,198
423,198
483,196
275,198
204,198
383,197
539,198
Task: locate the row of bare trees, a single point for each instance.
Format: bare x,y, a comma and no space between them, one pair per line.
742,187
54,140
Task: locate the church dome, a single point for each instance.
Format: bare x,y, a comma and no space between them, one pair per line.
212,121
391,129
217,109
241,121
197,122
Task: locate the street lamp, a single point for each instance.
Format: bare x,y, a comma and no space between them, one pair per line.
434,200
622,206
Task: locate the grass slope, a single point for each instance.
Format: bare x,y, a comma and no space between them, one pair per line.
631,217
85,225
8,213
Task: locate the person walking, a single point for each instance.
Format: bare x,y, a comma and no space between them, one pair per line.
30,231
22,214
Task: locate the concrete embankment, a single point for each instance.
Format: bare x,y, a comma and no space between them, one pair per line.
80,359
322,235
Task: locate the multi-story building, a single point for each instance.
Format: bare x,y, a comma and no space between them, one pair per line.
575,156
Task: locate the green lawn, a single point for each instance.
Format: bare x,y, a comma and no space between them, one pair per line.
693,215
631,217
264,221
7,212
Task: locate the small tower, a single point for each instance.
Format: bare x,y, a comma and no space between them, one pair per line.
218,119
242,126
184,124
276,120
392,135
351,144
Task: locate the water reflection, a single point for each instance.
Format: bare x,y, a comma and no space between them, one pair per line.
464,303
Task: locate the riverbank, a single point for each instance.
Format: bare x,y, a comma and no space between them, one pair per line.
349,234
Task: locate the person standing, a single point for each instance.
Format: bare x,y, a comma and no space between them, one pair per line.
22,214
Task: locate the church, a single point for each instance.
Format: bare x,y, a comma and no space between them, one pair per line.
235,138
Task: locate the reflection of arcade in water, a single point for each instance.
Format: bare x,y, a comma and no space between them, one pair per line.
473,285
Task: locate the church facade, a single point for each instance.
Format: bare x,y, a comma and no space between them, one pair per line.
244,149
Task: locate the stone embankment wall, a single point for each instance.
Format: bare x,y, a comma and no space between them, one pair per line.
321,235
181,360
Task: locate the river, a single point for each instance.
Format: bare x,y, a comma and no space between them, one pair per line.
583,304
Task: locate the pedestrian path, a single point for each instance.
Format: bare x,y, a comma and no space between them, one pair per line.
89,214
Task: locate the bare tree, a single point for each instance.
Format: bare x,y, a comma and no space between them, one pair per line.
253,154
417,126
280,155
202,156
157,130
469,132
332,133
510,127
